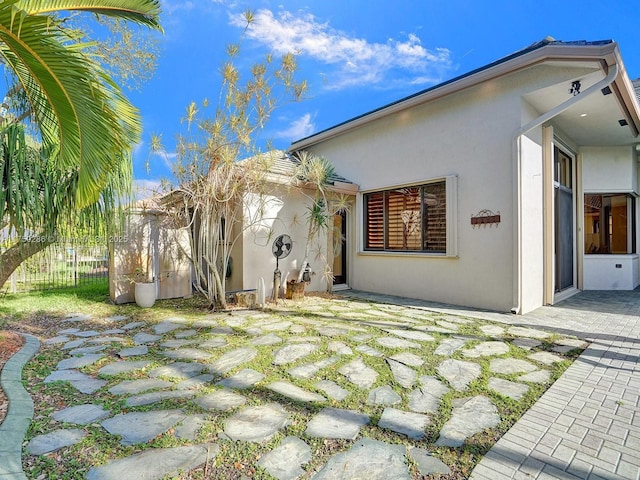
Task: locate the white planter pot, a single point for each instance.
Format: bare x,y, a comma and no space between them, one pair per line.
145,294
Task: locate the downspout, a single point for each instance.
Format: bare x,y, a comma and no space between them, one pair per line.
517,164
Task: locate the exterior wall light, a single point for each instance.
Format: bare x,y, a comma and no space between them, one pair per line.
575,87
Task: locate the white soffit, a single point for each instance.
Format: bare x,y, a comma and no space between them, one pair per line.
591,121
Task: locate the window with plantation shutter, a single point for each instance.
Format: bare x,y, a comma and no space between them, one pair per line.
404,214
435,226
374,237
410,218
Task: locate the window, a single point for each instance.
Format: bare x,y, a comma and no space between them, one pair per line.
562,168
609,224
412,219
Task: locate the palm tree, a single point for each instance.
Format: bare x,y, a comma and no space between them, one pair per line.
87,126
36,202
83,117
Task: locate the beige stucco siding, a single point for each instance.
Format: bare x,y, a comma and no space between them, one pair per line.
468,136
152,243
236,280
532,253
285,212
609,169
475,135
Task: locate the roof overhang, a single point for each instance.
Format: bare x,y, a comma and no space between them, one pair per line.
622,104
342,188
282,170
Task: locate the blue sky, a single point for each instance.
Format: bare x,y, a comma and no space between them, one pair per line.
356,55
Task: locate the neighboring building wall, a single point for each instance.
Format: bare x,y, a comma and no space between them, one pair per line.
285,212
610,170
152,245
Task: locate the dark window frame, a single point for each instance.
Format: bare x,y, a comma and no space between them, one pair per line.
411,218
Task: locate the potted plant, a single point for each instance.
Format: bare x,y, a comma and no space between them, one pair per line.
315,172
144,285
295,288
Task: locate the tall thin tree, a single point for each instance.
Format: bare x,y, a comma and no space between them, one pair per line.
212,181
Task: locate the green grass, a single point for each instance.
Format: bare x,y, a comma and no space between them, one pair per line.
57,301
239,458
91,298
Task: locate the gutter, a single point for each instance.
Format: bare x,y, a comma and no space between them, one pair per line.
517,164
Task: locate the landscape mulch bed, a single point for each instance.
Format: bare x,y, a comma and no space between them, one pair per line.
10,343
39,325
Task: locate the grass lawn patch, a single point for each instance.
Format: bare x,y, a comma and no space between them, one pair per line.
339,332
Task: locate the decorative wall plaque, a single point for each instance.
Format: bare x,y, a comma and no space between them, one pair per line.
484,218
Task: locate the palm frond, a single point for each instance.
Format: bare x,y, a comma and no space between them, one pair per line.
36,195
80,110
143,12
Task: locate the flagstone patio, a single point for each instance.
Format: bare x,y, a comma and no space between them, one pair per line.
286,389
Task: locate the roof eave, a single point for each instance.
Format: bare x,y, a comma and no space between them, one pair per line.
606,54
344,188
625,92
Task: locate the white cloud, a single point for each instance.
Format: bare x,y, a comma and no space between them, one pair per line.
166,157
141,155
300,128
137,148
357,60
146,188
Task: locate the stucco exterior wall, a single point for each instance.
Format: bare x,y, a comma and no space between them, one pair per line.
611,272
173,250
236,281
150,243
284,212
609,170
469,136
532,226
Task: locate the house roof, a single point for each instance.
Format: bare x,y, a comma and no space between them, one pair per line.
286,164
282,168
603,52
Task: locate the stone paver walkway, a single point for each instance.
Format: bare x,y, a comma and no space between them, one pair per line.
246,370
587,425
19,414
